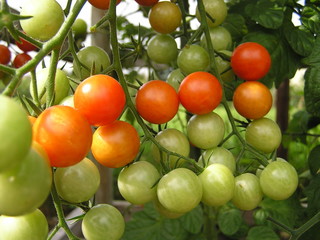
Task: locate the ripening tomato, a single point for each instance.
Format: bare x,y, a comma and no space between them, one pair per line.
21,59
65,135
252,99
147,3
102,4
100,98
157,101
250,61
25,46
115,144
200,92
5,55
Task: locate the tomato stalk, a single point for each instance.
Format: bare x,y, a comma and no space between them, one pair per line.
51,77
34,88
210,221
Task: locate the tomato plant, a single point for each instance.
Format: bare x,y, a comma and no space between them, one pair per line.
5,54
103,221
77,183
47,18
65,135
93,93
216,9
200,92
252,100
21,59
162,48
165,17
250,61
137,182
115,144
33,225
102,4
157,101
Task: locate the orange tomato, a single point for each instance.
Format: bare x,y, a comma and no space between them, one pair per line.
116,144
252,99
65,135
32,119
101,4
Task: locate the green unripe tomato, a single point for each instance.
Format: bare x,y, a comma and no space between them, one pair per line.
162,48
216,9
175,78
220,38
79,28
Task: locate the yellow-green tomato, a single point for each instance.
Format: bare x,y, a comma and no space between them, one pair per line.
162,48
137,182
206,131
224,69
61,85
174,141
26,186
175,78
102,222
220,38
46,19
15,133
68,101
216,9
218,155
31,226
77,183
218,185
247,192
180,190
165,212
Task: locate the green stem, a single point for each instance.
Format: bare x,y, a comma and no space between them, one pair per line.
53,232
210,221
310,223
34,88
50,84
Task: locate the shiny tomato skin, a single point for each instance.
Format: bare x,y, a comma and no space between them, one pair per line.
116,144
252,99
25,46
200,92
157,102
147,3
65,135
5,55
102,4
100,98
21,59
250,61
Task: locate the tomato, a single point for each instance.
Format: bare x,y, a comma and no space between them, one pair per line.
147,3
102,4
175,78
33,226
200,92
15,133
77,183
252,99
137,181
218,185
61,85
165,212
47,18
25,46
165,17
180,190
220,38
218,155
205,131
247,192
32,119
115,144
193,58
225,71
21,59
173,140
93,60
162,48
5,54
250,61
279,180
100,98
264,134
157,102
79,28
65,135
216,9
103,221
25,187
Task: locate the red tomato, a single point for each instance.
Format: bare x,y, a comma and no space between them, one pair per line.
5,55
64,134
157,102
250,61
116,144
21,59
147,2
100,98
200,92
101,4
25,46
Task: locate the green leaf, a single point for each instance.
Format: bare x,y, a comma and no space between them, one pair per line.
310,17
312,90
236,25
313,160
314,58
268,14
262,233
230,221
193,220
298,126
312,192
